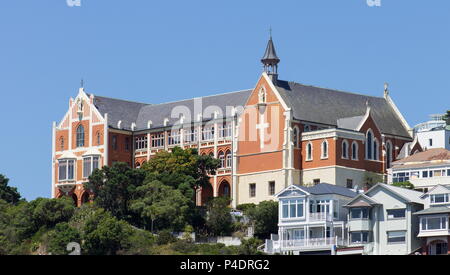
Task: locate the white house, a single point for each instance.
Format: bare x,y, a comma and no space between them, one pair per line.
424,170
434,133
381,222
434,221
311,219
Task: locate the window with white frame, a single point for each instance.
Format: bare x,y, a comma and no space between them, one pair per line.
393,214
325,149
158,140
400,177
208,133
222,159
174,137
80,136
438,198
354,150
394,237
345,149
271,188
66,168
295,136
229,159
359,237
434,223
309,152
90,163
225,130
293,208
141,143
191,135
359,213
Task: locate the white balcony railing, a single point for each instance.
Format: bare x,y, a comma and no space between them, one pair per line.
321,216
307,243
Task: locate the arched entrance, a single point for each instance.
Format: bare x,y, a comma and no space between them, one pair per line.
75,199
85,198
224,189
207,192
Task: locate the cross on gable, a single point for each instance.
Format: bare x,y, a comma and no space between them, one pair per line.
262,126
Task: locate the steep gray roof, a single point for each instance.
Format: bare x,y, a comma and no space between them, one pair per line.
326,106
118,110
157,113
433,210
325,188
270,55
350,123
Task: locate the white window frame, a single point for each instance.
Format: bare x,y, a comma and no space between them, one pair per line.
66,164
141,143
228,159
293,202
309,156
433,199
174,137
87,173
158,140
324,153
191,135
346,156
208,133
398,242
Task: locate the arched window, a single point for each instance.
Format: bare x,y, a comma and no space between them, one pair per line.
229,159
324,149
98,138
222,159
375,149
309,149
369,144
295,136
388,154
345,149
80,136
354,150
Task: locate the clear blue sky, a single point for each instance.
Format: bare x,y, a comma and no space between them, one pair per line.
156,51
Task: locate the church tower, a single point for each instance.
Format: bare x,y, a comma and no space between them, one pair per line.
270,60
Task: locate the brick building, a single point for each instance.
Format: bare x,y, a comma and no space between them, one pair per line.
267,138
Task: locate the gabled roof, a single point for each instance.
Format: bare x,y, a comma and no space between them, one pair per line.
447,187
362,200
408,195
327,106
428,155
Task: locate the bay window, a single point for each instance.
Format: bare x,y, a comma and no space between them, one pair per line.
293,209
90,163
433,223
66,168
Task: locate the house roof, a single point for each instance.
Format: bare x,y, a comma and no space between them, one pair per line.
406,194
433,210
325,188
327,106
361,201
350,123
428,155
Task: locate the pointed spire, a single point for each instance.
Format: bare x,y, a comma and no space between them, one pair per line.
270,59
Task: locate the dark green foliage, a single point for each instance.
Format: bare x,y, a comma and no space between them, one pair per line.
245,207
264,218
250,247
165,237
49,212
114,188
8,193
219,221
60,237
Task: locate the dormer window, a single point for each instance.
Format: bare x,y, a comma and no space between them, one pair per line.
439,198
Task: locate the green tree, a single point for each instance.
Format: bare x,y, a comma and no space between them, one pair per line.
219,220
104,234
49,212
60,237
250,247
264,218
8,193
371,179
162,206
406,184
114,187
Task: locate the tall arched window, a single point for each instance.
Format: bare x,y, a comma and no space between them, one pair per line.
354,150
98,138
345,149
324,149
375,149
61,144
369,144
309,149
388,154
222,159
80,136
229,159
295,137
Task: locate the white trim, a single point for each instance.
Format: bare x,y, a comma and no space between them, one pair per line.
335,166
261,172
397,111
331,133
275,91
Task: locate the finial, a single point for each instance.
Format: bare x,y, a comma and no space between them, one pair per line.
386,89
82,83
270,32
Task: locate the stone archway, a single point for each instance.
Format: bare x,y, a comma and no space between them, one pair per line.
85,198
75,199
206,193
224,189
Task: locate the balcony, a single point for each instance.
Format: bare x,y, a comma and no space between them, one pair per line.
320,217
303,244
